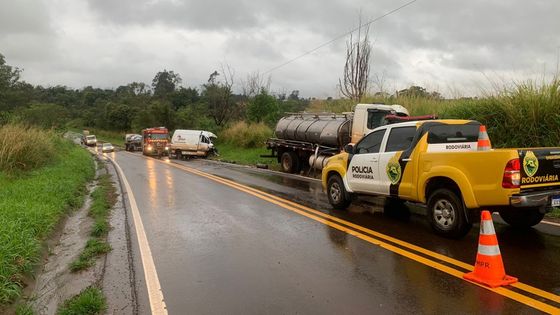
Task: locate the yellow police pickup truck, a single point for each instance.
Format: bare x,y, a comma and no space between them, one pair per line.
438,163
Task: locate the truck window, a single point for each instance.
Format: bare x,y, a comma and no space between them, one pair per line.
400,138
203,139
453,133
376,118
370,143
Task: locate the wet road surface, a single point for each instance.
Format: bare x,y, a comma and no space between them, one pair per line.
221,250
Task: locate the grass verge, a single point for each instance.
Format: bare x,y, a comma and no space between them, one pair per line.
247,156
555,213
89,301
104,197
31,204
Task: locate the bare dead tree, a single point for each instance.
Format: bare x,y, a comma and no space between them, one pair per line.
254,84
379,80
354,82
219,95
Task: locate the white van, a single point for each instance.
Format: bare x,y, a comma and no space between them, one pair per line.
186,143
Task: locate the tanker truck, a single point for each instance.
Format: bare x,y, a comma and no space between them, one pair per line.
305,140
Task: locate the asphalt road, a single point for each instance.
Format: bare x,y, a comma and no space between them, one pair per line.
219,247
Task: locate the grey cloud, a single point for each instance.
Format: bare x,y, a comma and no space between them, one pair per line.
24,17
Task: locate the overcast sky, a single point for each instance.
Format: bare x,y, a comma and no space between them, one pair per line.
456,47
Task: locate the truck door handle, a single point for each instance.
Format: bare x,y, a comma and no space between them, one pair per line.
556,164
374,160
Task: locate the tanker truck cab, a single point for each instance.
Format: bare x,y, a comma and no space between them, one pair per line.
370,116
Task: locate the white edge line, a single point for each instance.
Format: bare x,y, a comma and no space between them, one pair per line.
550,222
155,294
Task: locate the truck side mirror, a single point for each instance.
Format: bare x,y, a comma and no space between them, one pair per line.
349,148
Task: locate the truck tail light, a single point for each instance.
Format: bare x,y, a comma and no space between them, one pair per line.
512,174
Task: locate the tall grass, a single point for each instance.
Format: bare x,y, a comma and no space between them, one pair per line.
31,205
25,148
246,135
527,114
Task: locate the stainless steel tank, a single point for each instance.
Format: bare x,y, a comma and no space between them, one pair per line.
324,129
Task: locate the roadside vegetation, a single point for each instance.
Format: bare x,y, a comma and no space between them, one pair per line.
89,302
37,188
103,199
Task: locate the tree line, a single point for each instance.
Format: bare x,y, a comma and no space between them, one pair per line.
165,102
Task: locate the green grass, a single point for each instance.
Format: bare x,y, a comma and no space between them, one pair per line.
24,309
103,199
93,249
25,148
555,213
31,205
89,302
246,156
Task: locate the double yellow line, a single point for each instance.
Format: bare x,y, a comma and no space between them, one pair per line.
427,257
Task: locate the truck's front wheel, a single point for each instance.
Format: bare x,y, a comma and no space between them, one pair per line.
339,198
522,218
446,213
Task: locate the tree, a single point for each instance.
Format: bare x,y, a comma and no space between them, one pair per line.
355,77
184,97
254,84
9,76
44,115
418,91
219,97
262,107
119,117
165,82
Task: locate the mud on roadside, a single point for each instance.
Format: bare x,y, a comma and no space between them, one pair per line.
113,273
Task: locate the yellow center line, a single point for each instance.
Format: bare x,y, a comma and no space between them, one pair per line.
328,220
458,263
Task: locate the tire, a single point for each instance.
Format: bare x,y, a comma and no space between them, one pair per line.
446,214
522,218
339,198
289,162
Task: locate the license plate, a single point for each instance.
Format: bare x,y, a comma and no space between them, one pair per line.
555,201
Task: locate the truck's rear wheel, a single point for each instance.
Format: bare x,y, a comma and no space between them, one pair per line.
522,218
289,162
446,213
339,198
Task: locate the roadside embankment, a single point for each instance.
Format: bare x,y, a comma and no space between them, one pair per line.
42,177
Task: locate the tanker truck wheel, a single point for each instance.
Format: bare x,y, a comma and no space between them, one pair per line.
289,162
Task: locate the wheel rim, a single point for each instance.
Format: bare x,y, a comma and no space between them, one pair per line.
286,163
335,192
444,214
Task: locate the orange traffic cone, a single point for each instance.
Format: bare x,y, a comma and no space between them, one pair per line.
483,140
489,268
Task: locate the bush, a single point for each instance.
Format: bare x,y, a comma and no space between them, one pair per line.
25,148
246,135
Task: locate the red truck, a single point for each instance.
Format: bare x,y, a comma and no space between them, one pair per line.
155,141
